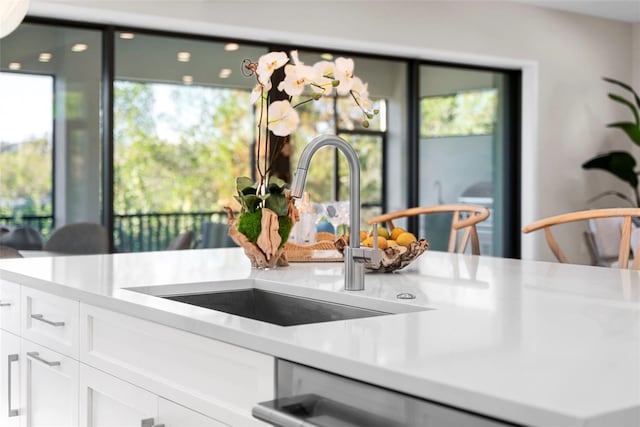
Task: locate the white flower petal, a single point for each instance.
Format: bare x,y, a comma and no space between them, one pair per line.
283,118
268,63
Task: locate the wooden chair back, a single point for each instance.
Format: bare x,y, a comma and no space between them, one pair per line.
625,232
465,218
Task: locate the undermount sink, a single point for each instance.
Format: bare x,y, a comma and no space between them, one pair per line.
276,303
274,307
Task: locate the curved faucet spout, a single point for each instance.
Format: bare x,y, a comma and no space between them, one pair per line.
353,255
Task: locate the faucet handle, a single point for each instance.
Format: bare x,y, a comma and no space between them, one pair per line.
366,255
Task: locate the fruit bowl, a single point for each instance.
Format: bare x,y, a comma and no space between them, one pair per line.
393,257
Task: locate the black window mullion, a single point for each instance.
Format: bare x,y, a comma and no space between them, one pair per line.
108,75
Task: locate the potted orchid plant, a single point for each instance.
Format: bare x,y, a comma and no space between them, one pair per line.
283,83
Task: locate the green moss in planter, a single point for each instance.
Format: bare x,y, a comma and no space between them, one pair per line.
250,225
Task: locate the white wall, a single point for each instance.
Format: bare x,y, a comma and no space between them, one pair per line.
565,54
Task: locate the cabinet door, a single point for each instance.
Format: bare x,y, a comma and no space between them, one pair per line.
49,387
106,401
171,414
9,380
10,306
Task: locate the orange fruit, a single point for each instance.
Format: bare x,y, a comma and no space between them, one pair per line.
382,242
405,239
396,232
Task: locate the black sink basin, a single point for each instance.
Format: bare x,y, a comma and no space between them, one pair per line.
274,307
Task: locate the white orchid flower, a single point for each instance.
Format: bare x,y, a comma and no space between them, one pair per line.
296,78
268,63
323,83
283,118
294,58
344,73
258,91
360,91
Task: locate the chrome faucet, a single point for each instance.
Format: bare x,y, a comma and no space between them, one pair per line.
354,255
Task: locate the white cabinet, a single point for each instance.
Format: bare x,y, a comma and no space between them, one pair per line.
9,380
10,307
106,401
68,364
49,387
219,380
171,414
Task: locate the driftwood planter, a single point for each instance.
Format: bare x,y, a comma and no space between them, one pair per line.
268,251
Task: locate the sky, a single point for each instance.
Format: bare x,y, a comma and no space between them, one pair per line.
26,107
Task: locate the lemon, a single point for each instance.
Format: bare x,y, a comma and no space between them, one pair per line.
368,242
396,232
363,235
383,232
405,239
382,242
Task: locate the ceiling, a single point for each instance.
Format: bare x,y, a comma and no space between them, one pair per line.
621,10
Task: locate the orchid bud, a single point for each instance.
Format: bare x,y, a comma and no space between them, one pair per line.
365,124
376,111
335,83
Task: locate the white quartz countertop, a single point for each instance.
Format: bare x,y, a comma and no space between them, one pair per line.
531,342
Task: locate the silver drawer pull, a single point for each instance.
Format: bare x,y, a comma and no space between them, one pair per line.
35,355
12,358
149,422
5,304
41,318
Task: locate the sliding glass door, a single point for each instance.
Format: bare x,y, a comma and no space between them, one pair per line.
468,151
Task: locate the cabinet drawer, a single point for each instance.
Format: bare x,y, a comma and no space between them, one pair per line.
49,387
10,306
51,321
217,379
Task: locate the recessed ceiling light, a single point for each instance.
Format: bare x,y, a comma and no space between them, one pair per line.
326,56
224,73
79,47
184,56
127,36
45,57
15,66
230,47
187,79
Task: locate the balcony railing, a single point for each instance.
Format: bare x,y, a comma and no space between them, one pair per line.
154,231
42,223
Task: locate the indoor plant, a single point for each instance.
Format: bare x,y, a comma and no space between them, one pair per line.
621,163
283,83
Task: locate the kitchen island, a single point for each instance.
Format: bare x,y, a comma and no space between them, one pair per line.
531,343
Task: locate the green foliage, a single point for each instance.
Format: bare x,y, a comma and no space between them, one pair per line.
26,176
195,170
620,163
274,198
249,224
284,228
465,113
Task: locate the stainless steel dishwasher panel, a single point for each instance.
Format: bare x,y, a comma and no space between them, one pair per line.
307,397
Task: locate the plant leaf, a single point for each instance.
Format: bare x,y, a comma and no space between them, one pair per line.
243,183
251,202
276,185
624,86
628,104
618,163
277,203
631,129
